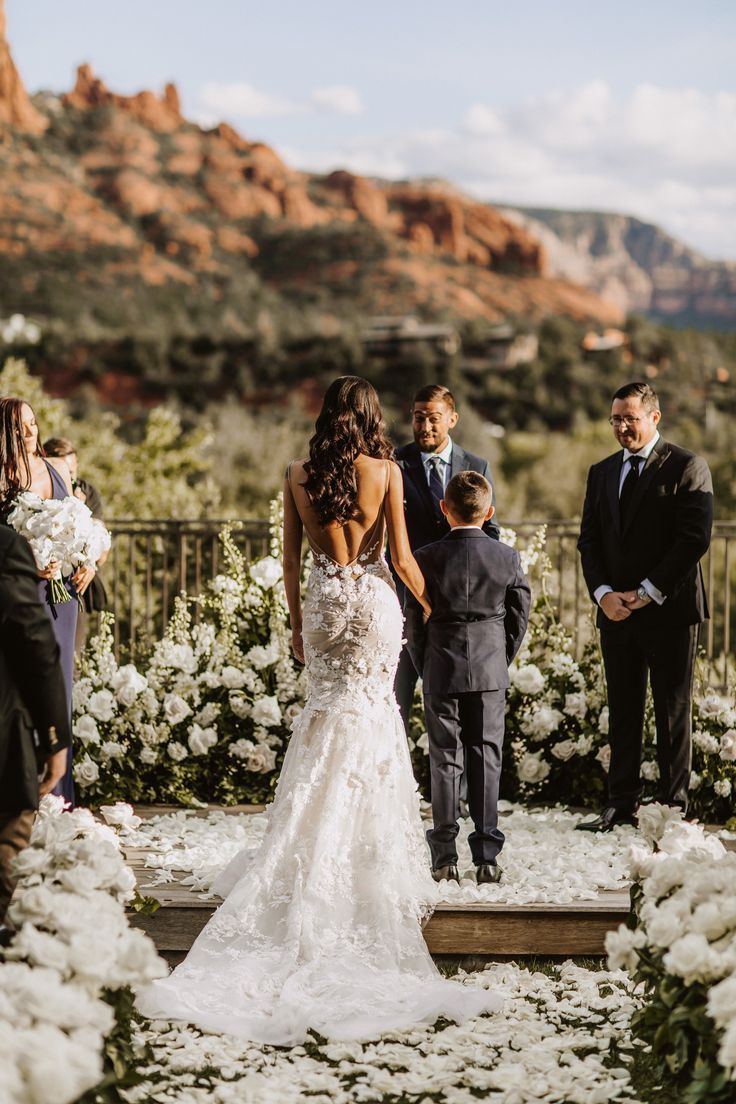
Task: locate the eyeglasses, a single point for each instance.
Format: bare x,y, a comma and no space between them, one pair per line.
617,421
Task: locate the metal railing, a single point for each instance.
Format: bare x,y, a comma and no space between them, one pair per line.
151,562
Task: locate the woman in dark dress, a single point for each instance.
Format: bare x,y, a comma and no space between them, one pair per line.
23,467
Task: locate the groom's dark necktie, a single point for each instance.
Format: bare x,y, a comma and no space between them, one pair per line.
436,486
629,486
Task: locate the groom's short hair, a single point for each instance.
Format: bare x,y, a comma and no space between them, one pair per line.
435,392
468,496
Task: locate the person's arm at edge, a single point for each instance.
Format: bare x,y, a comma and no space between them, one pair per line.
491,527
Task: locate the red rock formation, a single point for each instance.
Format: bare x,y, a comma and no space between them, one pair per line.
16,109
160,113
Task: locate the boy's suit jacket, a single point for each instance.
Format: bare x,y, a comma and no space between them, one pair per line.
480,602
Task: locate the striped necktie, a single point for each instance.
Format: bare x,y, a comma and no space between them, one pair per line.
436,486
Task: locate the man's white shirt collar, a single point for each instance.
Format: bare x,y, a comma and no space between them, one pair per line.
644,452
445,455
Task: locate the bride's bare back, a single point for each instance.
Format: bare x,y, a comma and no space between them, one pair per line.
345,542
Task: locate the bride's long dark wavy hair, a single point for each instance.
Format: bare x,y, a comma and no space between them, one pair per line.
349,423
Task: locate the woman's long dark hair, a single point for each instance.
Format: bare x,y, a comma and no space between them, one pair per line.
349,423
15,470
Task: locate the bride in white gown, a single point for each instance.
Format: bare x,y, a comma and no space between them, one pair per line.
321,926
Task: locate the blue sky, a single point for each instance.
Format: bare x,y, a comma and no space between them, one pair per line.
627,107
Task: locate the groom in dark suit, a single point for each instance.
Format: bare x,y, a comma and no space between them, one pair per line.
427,466
480,608
646,523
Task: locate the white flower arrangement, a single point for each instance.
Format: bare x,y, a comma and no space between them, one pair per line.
682,948
59,530
73,947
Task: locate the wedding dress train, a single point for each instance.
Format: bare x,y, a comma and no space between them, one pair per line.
321,926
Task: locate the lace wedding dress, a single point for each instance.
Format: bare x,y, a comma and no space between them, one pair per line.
321,927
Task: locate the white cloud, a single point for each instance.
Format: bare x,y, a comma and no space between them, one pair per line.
340,98
666,155
241,100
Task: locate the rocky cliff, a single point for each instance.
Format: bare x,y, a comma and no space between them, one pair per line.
635,265
120,221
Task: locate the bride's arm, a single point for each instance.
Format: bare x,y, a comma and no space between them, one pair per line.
405,565
293,531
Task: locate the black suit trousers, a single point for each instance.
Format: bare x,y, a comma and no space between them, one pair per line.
465,730
664,656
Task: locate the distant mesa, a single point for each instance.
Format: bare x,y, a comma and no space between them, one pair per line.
160,113
16,109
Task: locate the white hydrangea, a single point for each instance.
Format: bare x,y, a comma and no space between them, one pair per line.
208,713
541,720
722,787
128,683
706,742
576,705
176,751
111,749
261,657
232,678
603,720
650,770
727,750
201,739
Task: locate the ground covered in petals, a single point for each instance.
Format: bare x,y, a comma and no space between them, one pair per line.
544,859
562,1038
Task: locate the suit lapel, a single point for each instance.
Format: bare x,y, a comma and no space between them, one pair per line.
656,458
458,460
415,471
613,477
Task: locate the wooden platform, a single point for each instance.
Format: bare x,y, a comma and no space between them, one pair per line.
478,929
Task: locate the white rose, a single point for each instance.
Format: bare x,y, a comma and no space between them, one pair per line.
650,770
101,705
201,739
603,721
260,760
208,713
176,751
266,572
692,959
621,946
39,948
576,705
531,768
728,745
232,678
86,730
120,815
722,1001
542,720
128,683
527,679
239,705
111,749
604,756
175,708
293,712
85,771
722,787
267,712
696,780
564,750
654,819
706,742
665,925
148,755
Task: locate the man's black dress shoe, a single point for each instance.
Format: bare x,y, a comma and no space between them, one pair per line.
487,873
608,819
446,873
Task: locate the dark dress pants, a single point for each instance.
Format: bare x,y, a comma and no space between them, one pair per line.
405,685
664,656
465,731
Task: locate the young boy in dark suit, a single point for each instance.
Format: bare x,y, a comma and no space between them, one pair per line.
480,601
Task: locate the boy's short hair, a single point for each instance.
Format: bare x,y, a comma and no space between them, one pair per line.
468,496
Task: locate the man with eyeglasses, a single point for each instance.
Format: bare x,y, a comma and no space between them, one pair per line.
646,523
427,466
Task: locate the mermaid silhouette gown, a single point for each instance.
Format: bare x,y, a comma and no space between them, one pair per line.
64,620
322,924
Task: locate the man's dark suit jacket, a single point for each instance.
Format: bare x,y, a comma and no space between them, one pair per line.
667,530
422,522
32,691
480,601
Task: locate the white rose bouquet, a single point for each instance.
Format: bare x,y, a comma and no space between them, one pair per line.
59,531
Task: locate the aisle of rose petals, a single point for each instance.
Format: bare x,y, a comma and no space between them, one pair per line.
544,859
561,1038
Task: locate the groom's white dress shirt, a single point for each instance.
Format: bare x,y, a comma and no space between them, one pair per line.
444,468
643,454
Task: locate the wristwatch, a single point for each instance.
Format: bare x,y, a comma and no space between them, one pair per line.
643,594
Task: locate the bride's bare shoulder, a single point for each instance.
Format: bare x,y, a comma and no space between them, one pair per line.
295,469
